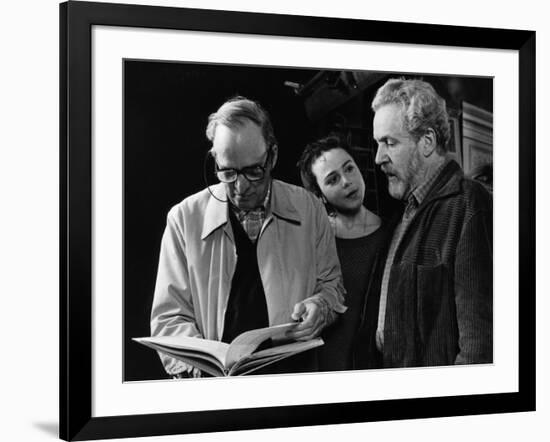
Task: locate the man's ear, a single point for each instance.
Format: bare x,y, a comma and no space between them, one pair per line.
274,155
428,143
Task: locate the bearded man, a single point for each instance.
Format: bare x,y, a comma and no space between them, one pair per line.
437,286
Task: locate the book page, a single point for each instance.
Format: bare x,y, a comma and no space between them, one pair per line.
256,364
198,345
211,366
245,344
270,355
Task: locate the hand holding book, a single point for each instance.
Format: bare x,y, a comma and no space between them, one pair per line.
313,314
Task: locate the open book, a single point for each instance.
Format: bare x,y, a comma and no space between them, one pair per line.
235,359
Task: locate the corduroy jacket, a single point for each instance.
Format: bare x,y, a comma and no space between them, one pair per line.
440,295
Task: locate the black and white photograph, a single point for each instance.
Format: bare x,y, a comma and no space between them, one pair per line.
264,219
272,221
321,220
280,221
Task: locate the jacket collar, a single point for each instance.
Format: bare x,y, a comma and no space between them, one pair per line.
216,214
446,184
282,205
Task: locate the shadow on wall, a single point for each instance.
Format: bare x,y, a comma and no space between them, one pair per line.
51,428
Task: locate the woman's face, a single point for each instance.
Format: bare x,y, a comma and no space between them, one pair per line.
340,180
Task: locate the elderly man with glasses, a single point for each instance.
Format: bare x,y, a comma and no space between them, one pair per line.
246,253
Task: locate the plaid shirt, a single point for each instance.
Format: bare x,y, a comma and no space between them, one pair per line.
414,200
253,220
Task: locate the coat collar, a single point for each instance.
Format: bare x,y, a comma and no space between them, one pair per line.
216,214
282,204
447,183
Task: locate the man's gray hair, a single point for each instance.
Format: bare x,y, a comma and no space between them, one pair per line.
235,112
422,107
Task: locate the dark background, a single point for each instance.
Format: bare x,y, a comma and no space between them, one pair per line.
166,107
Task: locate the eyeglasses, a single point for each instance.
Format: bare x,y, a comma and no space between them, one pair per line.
251,173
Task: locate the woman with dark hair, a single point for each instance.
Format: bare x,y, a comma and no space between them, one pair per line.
328,169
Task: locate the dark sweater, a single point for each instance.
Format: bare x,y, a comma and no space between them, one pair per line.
246,307
349,342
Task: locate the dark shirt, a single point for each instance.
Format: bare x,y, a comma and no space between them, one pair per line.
346,342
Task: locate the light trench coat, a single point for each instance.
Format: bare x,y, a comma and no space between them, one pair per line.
296,256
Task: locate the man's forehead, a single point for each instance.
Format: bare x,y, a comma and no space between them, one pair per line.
389,118
242,143
241,132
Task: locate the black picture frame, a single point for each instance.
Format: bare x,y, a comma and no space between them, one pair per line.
76,240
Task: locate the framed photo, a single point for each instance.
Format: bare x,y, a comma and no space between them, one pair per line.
137,86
